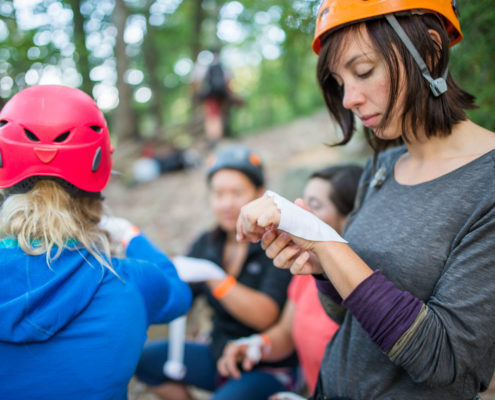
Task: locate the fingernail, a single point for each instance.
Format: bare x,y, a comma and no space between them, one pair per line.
285,236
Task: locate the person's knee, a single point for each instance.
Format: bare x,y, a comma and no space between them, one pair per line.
149,369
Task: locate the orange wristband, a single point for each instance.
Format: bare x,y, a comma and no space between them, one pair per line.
224,287
266,340
267,345
129,234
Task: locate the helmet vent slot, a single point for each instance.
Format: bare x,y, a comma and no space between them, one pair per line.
96,160
31,136
62,137
96,128
3,122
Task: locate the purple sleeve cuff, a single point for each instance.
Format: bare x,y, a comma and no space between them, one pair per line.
383,311
326,288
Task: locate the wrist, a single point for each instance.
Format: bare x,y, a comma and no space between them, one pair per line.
267,345
130,233
223,287
326,249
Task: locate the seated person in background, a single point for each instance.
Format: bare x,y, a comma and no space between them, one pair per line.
304,325
247,301
74,317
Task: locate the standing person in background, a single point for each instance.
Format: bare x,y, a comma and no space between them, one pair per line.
211,85
246,300
412,281
304,325
70,309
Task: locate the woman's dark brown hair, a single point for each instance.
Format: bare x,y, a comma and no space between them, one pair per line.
421,109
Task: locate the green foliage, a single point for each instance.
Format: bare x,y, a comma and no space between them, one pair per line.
473,59
276,89
21,51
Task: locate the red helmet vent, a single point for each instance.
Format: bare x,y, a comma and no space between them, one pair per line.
96,160
62,137
31,136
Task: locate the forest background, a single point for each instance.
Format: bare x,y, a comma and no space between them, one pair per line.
135,58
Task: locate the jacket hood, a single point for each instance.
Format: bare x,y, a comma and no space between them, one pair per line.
37,300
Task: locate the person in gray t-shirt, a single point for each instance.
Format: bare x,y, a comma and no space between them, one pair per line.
413,287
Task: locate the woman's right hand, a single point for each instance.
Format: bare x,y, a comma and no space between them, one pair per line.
287,254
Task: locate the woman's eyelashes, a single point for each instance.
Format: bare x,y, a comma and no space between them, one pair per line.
365,74
360,75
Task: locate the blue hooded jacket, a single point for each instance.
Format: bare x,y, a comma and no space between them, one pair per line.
75,330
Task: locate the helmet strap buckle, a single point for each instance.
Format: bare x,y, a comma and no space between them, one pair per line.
438,86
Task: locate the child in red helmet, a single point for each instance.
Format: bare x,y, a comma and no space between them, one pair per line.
74,317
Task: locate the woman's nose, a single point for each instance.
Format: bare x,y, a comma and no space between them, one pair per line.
353,97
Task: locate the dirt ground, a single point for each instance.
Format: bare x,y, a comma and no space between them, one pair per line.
173,209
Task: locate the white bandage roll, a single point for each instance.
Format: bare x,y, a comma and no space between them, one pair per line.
174,366
301,223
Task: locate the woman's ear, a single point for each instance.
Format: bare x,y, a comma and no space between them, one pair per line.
435,36
437,40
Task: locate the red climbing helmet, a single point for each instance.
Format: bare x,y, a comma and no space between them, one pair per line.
56,131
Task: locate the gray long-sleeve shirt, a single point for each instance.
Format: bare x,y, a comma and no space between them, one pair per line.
437,241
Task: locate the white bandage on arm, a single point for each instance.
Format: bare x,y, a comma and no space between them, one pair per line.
258,346
192,269
301,223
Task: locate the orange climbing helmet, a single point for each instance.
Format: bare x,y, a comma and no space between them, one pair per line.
336,13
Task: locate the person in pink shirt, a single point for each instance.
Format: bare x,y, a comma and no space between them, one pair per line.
304,325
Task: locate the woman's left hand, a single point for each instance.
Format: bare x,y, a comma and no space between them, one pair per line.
256,217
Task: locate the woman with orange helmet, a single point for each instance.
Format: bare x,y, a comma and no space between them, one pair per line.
411,280
69,307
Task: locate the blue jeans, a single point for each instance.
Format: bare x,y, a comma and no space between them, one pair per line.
201,371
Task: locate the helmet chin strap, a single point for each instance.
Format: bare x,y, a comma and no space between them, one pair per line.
438,86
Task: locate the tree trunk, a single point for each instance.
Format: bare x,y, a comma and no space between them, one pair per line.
150,53
124,119
82,54
196,47
198,21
